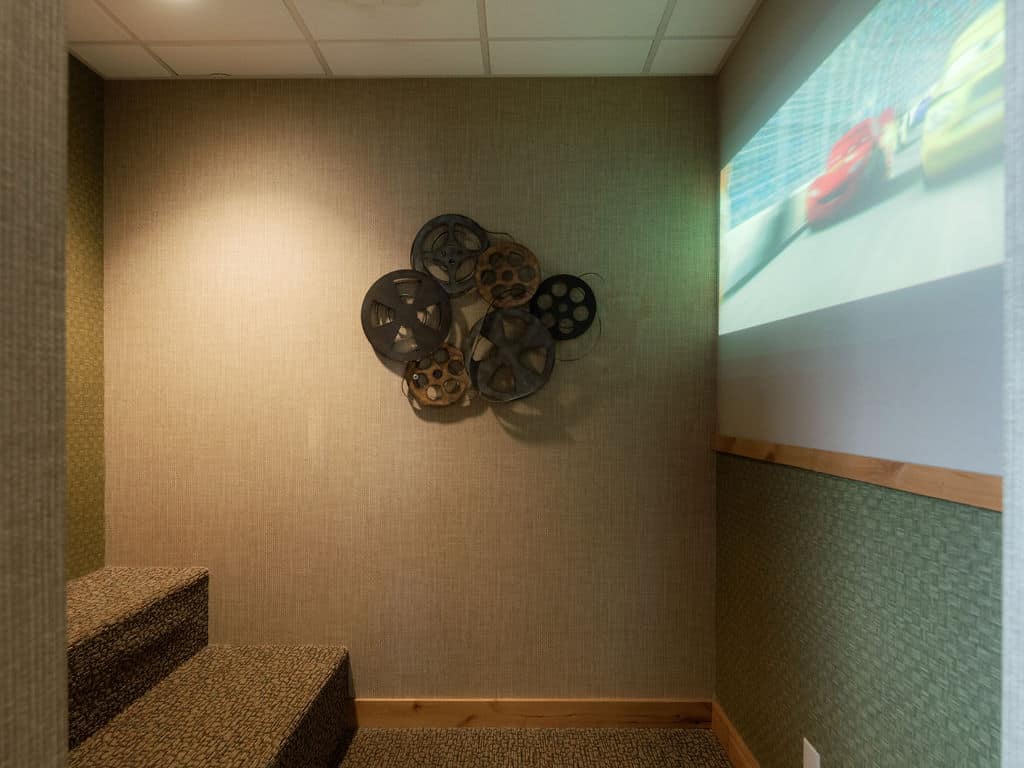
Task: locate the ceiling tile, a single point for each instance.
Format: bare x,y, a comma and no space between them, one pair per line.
695,18
267,60
388,20
569,57
404,59
573,18
86,22
187,20
690,57
114,61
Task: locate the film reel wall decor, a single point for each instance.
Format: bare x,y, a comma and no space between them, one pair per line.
510,352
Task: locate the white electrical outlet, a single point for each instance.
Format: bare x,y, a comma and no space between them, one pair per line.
811,757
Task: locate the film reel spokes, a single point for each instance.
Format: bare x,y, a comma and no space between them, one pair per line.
440,379
507,275
406,315
511,355
447,248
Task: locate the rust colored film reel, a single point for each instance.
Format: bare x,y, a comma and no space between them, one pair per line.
438,379
507,275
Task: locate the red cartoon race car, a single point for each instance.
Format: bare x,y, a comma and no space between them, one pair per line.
858,164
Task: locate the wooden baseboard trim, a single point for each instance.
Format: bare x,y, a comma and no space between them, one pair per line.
735,748
530,713
971,488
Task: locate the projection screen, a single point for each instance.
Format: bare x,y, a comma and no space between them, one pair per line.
862,246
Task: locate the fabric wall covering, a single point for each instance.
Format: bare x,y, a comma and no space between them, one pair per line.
33,109
84,262
864,619
562,546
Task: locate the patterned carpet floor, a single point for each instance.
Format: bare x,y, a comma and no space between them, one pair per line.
533,748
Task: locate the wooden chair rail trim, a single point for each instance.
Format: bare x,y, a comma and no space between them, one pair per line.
971,488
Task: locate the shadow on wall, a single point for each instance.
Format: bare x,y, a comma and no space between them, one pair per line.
531,419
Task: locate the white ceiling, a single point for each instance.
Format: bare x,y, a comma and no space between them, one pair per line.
124,39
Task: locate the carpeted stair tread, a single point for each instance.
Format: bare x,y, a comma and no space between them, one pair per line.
107,597
127,629
231,707
534,748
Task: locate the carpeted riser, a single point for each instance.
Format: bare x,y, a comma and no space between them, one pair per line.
231,707
315,740
110,670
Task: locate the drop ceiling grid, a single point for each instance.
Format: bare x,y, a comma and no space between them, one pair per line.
366,38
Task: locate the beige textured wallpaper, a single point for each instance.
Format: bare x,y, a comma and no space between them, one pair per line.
84,268
563,546
33,152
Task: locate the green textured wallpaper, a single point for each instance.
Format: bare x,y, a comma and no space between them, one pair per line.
84,257
866,619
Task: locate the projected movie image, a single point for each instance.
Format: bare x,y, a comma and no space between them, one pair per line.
883,171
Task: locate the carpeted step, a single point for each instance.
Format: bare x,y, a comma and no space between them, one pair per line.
128,628
232,707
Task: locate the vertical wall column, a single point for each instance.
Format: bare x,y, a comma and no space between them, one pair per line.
33,75
1013,502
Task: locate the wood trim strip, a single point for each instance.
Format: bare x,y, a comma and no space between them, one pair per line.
736,750
530,713
972,488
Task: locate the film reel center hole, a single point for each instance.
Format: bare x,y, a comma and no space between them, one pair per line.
405,342
504,380
533,359
482,348
407,290
382,314
429,316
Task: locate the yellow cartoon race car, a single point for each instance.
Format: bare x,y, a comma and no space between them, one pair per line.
965,120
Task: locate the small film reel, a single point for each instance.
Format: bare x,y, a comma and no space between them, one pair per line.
507,275
439,379
406,315
566,306
447,248
511,355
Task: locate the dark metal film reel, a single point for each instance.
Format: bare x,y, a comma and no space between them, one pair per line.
447,248
406,315
507,275
565,305
511,355
439,379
